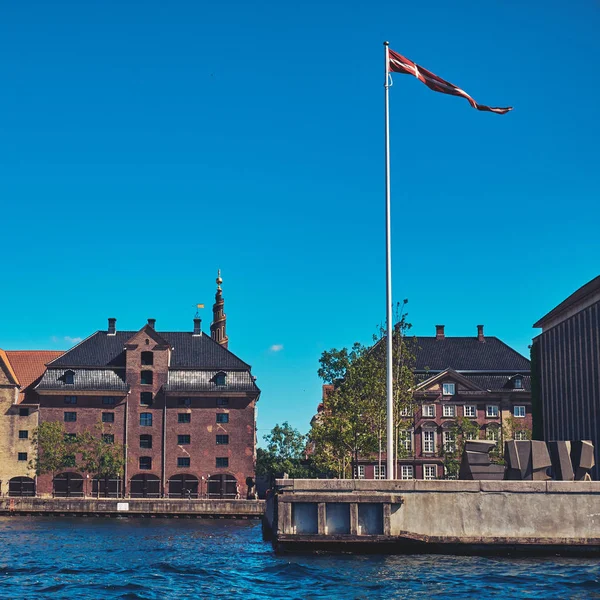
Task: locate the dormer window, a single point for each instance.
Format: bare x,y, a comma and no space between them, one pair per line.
69,376
147,358
518,383
448,389
220,378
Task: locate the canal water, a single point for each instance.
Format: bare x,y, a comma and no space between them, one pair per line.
163,558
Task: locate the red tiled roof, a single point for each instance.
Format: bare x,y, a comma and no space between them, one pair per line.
29,365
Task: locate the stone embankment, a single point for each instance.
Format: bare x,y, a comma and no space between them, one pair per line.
466,517
139,507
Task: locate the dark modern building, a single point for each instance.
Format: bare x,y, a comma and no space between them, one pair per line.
181,403
566,362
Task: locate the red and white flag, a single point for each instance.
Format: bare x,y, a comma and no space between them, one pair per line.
401,64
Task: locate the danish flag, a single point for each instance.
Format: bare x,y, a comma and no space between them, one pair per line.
401,64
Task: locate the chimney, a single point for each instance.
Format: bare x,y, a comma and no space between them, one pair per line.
152,323
197,326
439,332
480,336
112,327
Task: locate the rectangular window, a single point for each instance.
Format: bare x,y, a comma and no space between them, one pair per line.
108,400
183,440
222,417
145,463
108,417
405,439
70,399
222,439
519,411
70,417
379,472
449,442
429,410
472,436
146,419
492,434
360,474
23,412
146,377
429,441
23,434
183,461
145,441
491,410
222,401
449,410
406,472
470,410
405,411
222,462
521,435
146,398
429,472
147,358
108,438
183,417
448,389
22,456
70,438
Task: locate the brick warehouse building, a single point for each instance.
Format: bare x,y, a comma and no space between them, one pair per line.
479,378
181,403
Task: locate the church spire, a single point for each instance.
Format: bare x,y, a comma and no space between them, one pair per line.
217,327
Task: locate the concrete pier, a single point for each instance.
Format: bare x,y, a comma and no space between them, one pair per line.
114,507
415,516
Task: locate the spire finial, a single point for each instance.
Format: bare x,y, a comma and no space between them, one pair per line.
219,280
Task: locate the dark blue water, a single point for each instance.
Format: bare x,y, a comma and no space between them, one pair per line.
107,558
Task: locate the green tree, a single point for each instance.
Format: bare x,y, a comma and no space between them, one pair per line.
54,449
461,430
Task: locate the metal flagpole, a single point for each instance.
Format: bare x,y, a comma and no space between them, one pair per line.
388,278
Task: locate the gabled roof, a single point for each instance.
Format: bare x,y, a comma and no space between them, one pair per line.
449,374
151,333
101,350
29,366
466,354
11,374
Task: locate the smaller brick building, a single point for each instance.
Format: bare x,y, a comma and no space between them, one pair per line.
180,402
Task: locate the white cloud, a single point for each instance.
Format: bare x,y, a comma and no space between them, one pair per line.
276,348
66,338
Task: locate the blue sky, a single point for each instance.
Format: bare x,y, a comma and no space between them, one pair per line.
146,144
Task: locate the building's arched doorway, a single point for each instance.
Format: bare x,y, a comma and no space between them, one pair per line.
183,486
107,487
144,486
222,486
21,486
68,485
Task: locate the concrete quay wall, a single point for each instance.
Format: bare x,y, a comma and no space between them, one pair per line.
232,509
453,516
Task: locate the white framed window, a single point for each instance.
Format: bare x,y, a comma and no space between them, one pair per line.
471,436
517,383
379,472
429,410
521,435
429,472
429,441
405,439
405,411
360,472
492,434
491,410
449,410
448,389
406,472
449,441
519,411
470,410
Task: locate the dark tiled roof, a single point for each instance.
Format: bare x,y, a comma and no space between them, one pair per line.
102,380
101,350
491,382
194,381
466,354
